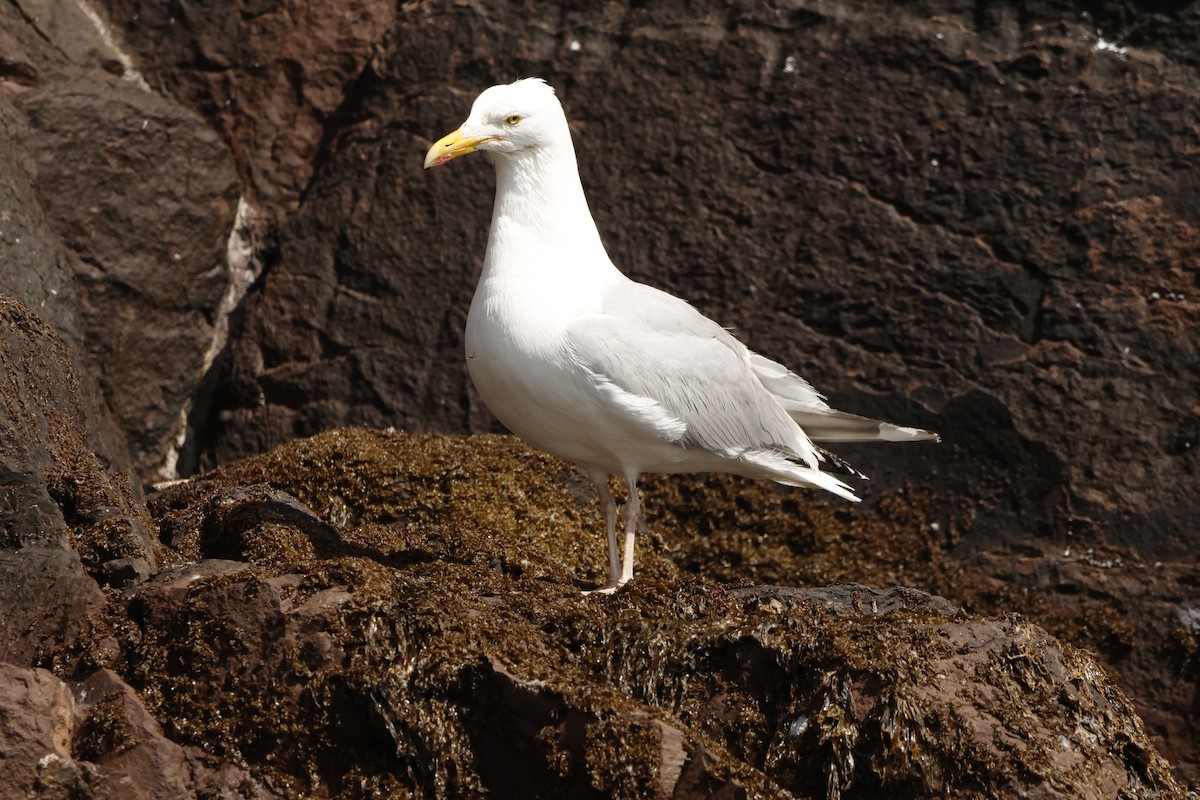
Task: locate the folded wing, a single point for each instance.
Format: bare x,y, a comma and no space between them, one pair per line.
671,370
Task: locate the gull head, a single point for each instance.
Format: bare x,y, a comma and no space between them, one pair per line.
506,120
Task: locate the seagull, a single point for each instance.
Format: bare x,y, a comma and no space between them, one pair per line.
613,375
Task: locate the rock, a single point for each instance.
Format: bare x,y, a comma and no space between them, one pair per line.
401,614
965,252
547,735
37,270
974,221
440,643
116,733
75,33
96,743
232,523
124,204
124,571
279,81
36,726
153,242
852,600
49,604
62,515
1130,611
55,483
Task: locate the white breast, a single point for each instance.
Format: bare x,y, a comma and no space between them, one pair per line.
516,334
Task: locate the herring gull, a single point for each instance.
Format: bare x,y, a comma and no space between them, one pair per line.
614,375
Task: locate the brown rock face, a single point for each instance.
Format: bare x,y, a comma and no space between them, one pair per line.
39,271
49,731
276,80
436,642
371,614
981,220
116,209
36,727
63,517
145,193
975,222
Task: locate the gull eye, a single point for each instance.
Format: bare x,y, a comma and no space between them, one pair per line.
513,119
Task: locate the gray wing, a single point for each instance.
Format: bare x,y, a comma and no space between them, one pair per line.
665,365
820,422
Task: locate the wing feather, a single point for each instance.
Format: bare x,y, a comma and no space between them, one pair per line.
682,365
808,408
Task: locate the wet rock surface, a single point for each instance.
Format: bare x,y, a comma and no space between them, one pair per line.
981,221
435,637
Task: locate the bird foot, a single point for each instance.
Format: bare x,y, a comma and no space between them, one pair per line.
610,587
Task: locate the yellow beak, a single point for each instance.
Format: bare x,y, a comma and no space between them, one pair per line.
451,146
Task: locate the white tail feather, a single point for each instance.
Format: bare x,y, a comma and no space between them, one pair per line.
776,467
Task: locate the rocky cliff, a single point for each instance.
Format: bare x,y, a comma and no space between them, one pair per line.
216,239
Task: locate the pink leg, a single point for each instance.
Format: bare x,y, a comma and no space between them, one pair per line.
608,507
630,513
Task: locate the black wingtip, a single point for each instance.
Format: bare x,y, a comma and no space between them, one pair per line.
837,465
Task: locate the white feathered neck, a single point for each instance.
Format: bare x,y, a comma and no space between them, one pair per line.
540,200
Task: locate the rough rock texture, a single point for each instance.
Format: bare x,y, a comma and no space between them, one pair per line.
63,517
57,491
116,209
35,726
275,79
94,740
370,613
367,613
980,219
38,270
377,614
941,216
160,193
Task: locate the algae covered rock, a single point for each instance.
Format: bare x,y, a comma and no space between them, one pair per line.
375,614
65,517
